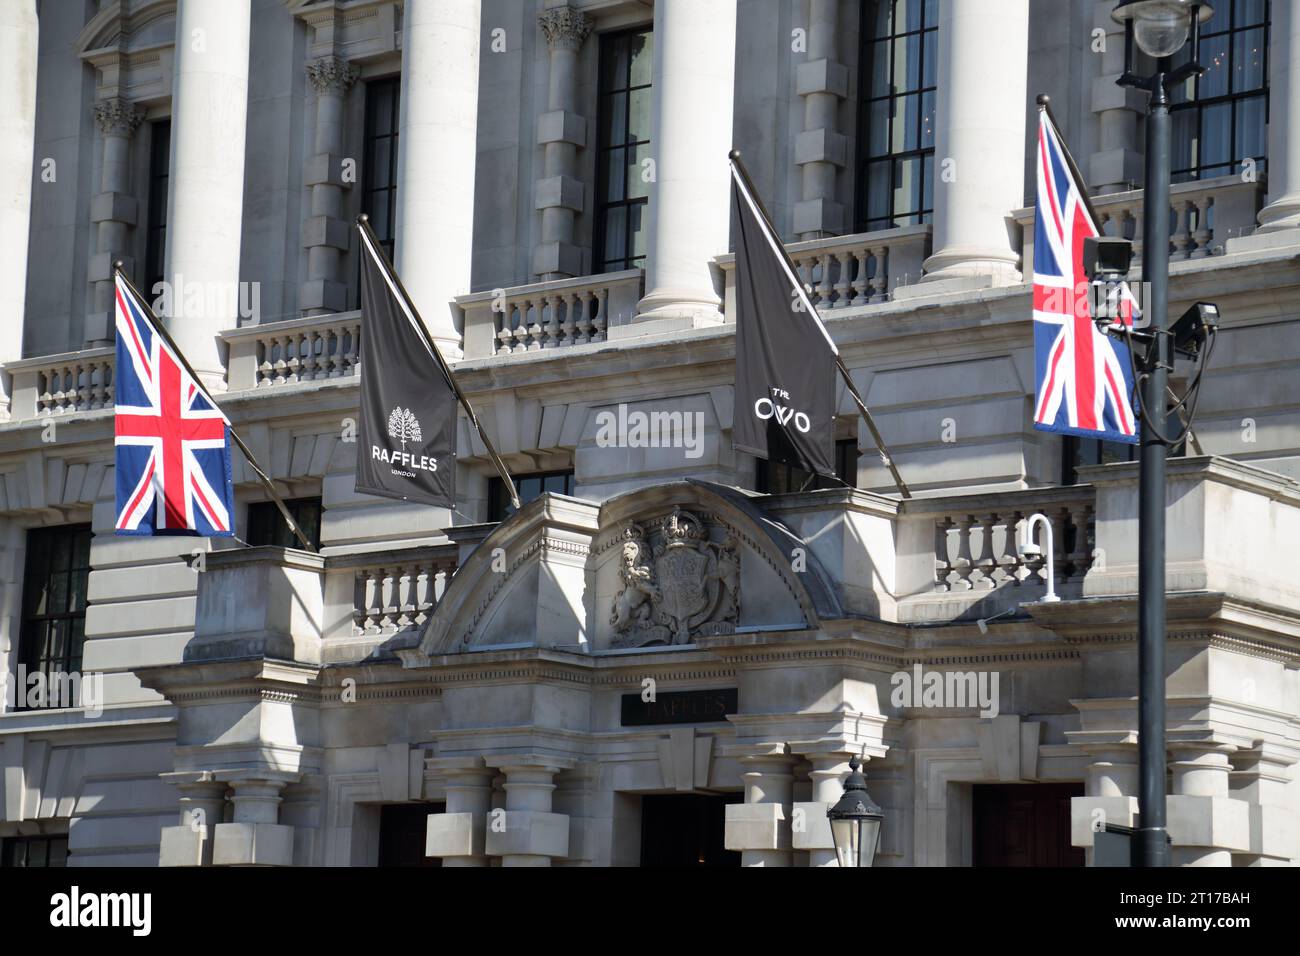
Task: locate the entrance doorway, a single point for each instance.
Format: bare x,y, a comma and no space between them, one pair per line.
1024,824
686,829
401,834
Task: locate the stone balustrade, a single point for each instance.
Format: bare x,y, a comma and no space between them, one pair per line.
61,384
298,350
547,315
956,552
845,271
379,594
1203,216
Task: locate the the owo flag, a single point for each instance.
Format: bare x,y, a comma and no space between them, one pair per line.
785,359
406,440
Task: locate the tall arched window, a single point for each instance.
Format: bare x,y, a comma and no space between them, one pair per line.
896,127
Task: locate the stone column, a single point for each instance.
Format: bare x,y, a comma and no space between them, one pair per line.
561,132
436,152
1261,777
760,827
457,835
529,833
326,232
1283,208
1205,824
114,211
205,205
690,137
979,141
1117,164
202,807
821,151
254,837
18,52
814,835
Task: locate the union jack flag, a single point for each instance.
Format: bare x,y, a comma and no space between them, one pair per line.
172,442
1083,376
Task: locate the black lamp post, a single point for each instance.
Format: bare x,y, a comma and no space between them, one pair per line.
1160,28
855,821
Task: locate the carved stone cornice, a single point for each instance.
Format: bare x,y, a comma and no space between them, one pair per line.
332,74
118,116
565,27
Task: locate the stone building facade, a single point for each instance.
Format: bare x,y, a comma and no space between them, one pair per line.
670,653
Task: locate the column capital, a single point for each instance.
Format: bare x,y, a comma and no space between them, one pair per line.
565,27
117,116
332,74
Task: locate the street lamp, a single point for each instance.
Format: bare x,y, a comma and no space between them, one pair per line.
1160,28
855,821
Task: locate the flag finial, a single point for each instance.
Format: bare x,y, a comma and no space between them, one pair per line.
364,217
1044,99
734,155
119,265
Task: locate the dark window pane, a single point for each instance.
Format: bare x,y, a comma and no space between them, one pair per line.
1250,12
381,163
529,488
1252,134
266,526
907,63
880,69
637,229
613,117
639,101
878,127
878,186
638,178
930,58
911,12
884,25
616,233
1248,53
1214,57
1222,18
614,56
1216,134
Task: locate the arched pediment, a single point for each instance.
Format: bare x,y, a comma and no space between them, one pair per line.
128,26
666,565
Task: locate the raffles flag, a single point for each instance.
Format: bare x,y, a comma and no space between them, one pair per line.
785,359
407,436
1083,376
171,441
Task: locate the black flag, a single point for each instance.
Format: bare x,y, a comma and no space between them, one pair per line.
785,359
407,439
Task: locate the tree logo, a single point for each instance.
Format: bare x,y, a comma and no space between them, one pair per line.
403,426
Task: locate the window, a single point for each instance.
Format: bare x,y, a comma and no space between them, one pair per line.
34,851
1077,452
529,487
155,248
624,143
379,189
1221,119
53,627
774,478
896,143
266,526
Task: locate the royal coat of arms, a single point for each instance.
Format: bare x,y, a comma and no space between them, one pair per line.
678,582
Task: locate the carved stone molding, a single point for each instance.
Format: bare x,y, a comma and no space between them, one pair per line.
118,116
679,581
332,74
565,27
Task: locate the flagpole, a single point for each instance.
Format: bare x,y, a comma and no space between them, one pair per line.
161,329
363,223
751,193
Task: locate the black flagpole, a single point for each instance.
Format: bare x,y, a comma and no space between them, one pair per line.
161,329
738,165
363,223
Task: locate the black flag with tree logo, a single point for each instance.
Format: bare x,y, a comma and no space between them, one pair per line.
406,442
785,360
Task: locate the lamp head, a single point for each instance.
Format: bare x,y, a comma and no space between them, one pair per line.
1160,27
